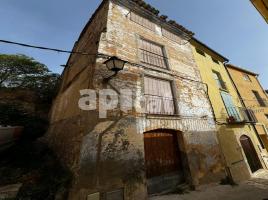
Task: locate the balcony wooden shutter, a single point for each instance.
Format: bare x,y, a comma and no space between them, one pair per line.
152,54
159,97
230,107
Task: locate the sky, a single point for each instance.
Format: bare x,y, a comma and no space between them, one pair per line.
233,28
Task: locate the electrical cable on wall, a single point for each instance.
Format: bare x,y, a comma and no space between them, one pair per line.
86,54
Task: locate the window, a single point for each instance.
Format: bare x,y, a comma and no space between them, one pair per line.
158,96
200,52
152,54
229,105
246,77
218,78
142,21
171,36
251,115
266,115
259,99
215,61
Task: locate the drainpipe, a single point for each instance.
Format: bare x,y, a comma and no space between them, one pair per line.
243,103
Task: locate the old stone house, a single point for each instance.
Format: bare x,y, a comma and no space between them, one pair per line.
239,141
169,136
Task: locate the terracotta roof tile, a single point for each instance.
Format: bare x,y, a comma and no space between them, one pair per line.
163,18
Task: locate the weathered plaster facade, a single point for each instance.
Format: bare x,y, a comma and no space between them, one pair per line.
229,134
108,154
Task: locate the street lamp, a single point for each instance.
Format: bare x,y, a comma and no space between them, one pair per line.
115,64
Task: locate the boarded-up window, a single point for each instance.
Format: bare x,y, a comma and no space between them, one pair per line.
142,21
152,54
171,36
159,96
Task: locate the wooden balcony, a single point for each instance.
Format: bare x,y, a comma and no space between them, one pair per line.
240,115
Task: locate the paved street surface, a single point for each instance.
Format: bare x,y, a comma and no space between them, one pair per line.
254,189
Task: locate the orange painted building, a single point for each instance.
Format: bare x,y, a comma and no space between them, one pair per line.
254,98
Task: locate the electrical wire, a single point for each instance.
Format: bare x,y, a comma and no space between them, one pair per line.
85,53
50,49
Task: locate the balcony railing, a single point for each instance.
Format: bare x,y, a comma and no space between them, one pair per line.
153,59
159,105
240,115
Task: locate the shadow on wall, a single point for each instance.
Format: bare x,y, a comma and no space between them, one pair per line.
22,107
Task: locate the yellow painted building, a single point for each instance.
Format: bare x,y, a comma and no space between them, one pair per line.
262,7
253,96
240,144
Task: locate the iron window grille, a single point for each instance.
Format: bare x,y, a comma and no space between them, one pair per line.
153,54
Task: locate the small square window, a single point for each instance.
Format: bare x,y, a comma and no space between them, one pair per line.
215,61
246,77
200,52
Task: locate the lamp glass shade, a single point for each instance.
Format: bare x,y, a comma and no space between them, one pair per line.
110,64
119,64
115,64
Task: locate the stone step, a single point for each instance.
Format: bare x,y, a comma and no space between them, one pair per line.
9,191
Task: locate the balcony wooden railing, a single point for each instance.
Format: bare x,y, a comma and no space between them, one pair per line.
241,115
153,59
159,105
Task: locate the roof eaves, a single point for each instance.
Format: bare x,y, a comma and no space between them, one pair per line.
163,18
242,69
264,17
210,49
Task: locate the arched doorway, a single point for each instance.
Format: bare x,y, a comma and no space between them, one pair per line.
251,154
163,160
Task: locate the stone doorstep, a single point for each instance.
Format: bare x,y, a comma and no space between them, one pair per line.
9,191
262,173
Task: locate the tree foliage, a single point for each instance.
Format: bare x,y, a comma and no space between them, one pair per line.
20,71
23,73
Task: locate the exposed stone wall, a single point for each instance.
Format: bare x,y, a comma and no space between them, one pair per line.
68,124
193,106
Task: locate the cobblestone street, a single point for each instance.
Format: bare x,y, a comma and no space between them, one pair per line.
254,189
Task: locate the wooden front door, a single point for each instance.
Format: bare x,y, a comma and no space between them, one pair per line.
161,153
251,154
